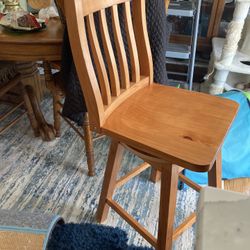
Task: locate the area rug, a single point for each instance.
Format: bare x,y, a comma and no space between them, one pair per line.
52,177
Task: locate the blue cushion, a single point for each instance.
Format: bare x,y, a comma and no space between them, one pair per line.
236,148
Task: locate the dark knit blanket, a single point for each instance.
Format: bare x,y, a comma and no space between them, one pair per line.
89,237
74,106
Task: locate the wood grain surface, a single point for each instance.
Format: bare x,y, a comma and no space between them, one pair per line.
39,4
32,46
186,127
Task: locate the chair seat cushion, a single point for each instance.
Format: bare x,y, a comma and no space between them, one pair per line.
7,72
173,124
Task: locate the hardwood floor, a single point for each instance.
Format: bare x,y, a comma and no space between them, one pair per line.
238,185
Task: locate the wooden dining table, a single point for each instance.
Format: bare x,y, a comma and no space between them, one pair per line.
26,49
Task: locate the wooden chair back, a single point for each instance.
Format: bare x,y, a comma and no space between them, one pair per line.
105,81
61,9
167,2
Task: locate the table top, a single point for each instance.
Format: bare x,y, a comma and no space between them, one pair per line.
32,46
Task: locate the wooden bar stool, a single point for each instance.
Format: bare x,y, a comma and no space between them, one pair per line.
10,80
170,128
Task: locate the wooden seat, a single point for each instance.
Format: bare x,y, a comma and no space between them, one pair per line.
186,126
170,129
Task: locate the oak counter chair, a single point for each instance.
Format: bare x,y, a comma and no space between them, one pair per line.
170,129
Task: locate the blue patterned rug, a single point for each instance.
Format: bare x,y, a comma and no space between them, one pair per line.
52,177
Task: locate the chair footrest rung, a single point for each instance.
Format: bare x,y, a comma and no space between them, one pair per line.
77,130
141,230
190,183
10,85
12,122
132,174
186,224
130,220
98,137
12,110
72,126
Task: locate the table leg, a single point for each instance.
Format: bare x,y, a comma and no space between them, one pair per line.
31,81
52,86
30,111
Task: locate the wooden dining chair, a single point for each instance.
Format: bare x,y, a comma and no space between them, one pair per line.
169,128
55,85
10,88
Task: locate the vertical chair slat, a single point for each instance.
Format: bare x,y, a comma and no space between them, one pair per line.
98,59
134,59
121,53
109,53
142,40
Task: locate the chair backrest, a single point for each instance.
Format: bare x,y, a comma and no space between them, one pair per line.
167,2
61,10
105,79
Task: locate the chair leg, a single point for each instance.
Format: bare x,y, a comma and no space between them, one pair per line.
214,175
169,183
109,183
155,175
57,109
30,111
89,145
